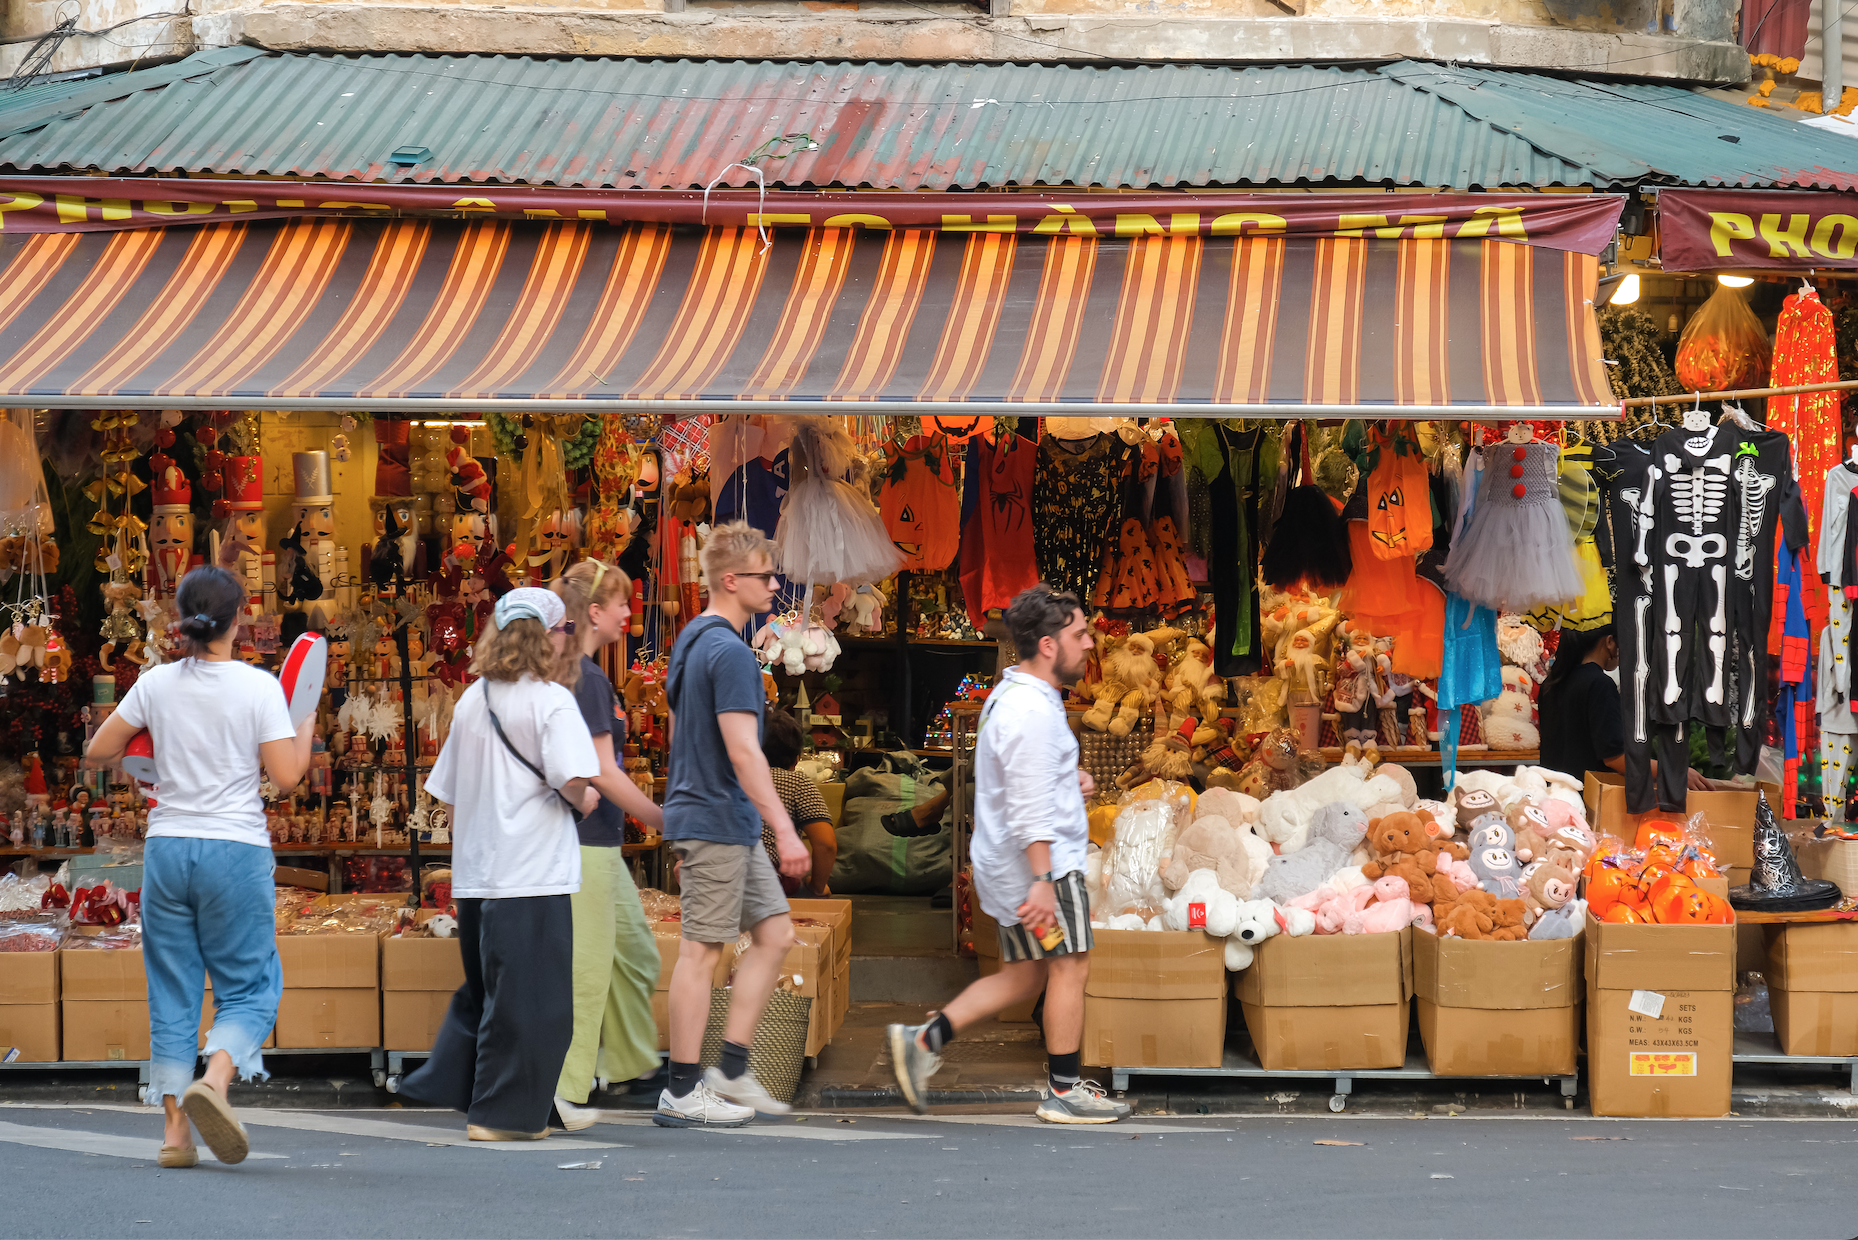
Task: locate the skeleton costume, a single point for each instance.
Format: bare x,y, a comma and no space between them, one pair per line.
1767,498
1687,531
1622,467
1837,726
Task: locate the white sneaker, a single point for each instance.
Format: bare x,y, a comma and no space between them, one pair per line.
1083,1103
746,1091
700,1108
574,1118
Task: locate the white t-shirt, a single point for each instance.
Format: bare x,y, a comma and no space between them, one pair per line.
207,721
511,834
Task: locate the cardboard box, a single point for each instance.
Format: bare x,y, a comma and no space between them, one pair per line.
330,961
669,944
207,1016
1021,1011
100,1030
315,1017
1329,1001
31,1029
1676,1065
28,978
420,964
806,970
1660,1019
410,1019
841,996
292,876
987,934
1498,1009
1154,1033
661,1012
1730,815
102,975
1812,975
1155,1000
836,914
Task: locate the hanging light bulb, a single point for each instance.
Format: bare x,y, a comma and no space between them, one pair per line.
1735,281
1627,292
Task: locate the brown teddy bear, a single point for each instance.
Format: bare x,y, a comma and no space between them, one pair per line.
1508,919
1472,915
1403,846
1530,826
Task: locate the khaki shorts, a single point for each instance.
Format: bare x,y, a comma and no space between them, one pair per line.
727,889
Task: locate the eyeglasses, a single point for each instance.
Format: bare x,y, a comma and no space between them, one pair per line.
566,626
766,578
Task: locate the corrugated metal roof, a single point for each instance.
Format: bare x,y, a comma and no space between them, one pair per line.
1630,132
644,124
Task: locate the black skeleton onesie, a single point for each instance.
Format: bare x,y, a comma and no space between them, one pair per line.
1621,467
1689,518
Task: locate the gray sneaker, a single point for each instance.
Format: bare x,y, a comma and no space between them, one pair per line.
912,1064
1083,1103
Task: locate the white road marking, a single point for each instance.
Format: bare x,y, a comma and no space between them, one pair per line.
1159,1124
829,1131
142,1149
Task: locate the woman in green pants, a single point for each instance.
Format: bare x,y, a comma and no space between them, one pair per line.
615,959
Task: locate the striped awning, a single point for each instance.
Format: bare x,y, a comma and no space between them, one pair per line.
433,315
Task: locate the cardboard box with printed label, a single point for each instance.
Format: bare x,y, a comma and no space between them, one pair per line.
1498,1009
316,1017
1812,976
29,1032
1329,1001
207,1016
1660,1019
105,1030
1155,1000
1729,815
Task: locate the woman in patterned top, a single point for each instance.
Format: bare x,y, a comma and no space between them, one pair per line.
782,742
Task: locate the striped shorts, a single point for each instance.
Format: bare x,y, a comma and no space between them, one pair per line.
1019,943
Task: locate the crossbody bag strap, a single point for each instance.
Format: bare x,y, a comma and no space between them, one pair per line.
535,770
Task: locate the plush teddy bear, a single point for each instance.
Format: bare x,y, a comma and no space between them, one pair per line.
1392,909
1238,812
1336,832
1130,686
1471,916
1508,922
1257,921
1209,843
1219,906
1547,888
1403,847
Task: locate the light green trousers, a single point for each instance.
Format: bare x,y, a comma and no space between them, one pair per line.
615,971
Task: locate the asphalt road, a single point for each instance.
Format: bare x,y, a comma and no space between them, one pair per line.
75,1170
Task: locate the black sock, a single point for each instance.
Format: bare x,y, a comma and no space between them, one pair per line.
1065,1070
684,1078
937,1034
735,1059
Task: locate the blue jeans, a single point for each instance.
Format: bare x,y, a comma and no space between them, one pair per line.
207,908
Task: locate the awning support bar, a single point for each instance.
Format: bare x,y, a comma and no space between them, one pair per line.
448,407
1691,398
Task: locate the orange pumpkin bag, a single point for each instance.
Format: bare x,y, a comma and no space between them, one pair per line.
921,502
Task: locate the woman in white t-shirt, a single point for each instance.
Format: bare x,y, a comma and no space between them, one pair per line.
516,860
207,894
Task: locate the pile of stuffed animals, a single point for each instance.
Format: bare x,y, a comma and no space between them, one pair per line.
1354,851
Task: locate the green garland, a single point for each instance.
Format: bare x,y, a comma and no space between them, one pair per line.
1629,337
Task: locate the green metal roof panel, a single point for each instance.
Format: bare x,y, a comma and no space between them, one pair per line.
648,124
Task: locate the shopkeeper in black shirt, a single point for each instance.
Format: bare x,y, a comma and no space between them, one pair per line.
1583,728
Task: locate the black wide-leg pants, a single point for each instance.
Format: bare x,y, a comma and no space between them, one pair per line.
498,1055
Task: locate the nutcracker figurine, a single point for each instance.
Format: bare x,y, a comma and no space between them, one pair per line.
170,533
314,513
245,496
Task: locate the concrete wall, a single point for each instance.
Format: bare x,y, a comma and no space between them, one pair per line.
1670,39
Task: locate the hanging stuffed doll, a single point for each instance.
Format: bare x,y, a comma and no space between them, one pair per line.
1308,543
921,503
828,531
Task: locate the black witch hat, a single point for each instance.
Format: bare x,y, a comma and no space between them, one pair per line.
1775,884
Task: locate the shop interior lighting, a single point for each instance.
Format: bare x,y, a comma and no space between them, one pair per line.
461,422
1627,292
1735,281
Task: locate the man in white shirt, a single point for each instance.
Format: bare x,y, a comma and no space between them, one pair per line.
1030,835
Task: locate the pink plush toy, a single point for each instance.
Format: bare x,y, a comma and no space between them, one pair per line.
1333,908
1462,875
1393,909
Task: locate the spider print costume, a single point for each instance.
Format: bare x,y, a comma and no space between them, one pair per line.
996,542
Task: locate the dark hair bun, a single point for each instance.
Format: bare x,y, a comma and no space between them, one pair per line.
199,627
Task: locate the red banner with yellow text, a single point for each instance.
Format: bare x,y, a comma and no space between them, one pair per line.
1706,229
1579,223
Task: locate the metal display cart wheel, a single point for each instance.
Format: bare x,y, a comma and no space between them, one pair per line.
1239,1064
